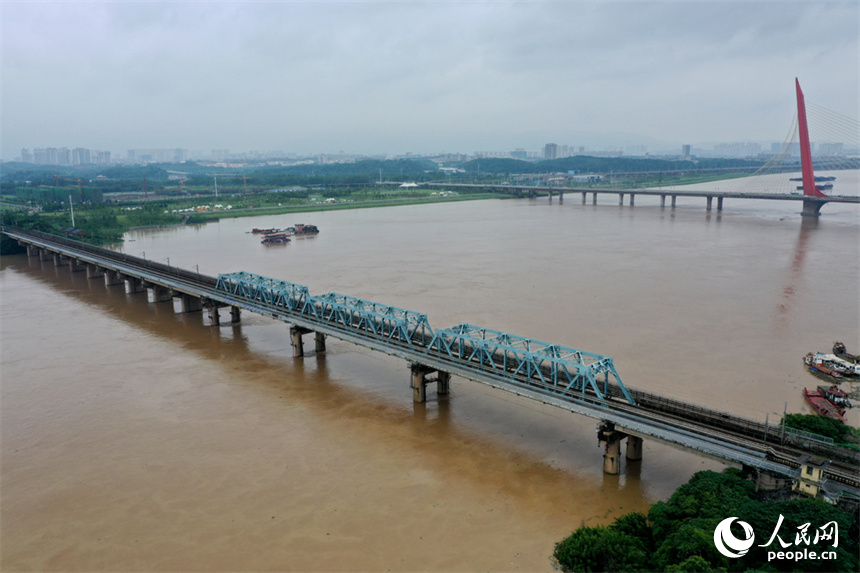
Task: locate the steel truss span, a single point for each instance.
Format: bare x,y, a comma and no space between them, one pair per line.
551,368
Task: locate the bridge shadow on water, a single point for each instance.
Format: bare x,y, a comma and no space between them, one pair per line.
257,355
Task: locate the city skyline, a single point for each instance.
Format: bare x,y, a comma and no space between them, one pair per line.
426,78
78,156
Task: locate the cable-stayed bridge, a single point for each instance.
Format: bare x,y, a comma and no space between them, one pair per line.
770,181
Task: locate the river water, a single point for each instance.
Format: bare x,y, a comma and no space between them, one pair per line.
135,438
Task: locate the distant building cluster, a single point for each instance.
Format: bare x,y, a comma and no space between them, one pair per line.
157,155
224,158
743,149
65,156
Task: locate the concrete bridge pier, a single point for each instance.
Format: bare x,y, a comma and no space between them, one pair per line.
561,196
60,260
611,438
621,198
632,197
811,208
160,293
584,195
296,333
443,383
319,342
674,197
662,200
710,201
611,441
189,303
33,251
594,198
420,381
135,285
634,448
113,278
719,203
235,314
45,255
93,271
214,317
76,266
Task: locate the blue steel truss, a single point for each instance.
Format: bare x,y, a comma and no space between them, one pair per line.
520,361
382,321
551,367
258,288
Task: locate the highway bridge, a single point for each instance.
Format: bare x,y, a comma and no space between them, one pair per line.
577,381
811,204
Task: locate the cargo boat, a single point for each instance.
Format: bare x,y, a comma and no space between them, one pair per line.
822,187
275,239
264,231
817,178
816,364
302,229
840,351
830,402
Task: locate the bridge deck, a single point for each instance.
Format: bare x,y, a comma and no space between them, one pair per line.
576,381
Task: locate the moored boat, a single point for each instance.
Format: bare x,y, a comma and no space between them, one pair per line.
264,231
840,351
822,187
836,396
275,239
819,402
816,363
302,229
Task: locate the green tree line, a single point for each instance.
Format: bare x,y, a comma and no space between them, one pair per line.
678,534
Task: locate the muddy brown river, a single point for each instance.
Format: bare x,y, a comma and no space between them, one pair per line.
135,438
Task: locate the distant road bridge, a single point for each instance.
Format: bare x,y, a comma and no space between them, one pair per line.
811,204
577,381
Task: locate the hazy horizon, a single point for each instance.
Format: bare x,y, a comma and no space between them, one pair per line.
375,78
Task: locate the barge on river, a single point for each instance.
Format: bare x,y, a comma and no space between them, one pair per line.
275,239
830,402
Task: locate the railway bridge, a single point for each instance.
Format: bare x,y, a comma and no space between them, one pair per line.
574,380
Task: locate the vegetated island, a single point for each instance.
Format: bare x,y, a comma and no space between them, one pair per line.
678,534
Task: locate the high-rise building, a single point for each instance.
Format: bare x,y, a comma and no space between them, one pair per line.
685,151
81,156
823,149
26,156
550,151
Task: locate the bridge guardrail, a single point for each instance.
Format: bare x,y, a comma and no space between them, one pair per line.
175,272
656,403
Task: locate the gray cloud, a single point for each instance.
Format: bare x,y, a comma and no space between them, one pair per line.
395,77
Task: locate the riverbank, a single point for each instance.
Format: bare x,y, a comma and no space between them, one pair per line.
681,534
315,207
107,223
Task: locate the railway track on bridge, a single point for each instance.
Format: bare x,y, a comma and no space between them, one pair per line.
635,412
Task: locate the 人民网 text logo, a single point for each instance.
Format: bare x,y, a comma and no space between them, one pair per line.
805,545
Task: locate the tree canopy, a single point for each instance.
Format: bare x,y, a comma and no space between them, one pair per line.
678,534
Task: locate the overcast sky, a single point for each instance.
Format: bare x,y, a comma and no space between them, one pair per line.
396,77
